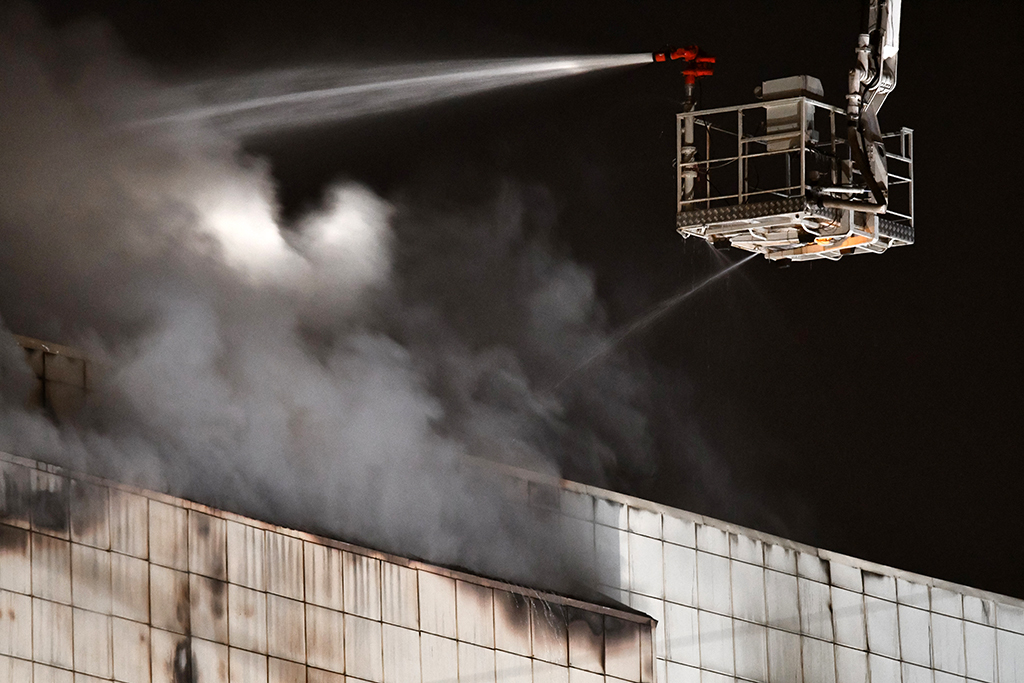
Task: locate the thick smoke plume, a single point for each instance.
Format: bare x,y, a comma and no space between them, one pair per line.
331,372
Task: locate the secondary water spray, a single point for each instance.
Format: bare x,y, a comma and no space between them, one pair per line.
645,321
267,101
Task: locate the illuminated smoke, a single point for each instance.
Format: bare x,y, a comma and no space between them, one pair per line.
329,373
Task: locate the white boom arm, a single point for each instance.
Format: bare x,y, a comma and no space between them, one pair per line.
871,80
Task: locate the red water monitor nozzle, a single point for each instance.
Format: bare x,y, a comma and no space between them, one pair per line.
699,63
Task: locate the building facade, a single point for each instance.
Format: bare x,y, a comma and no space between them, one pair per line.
103,582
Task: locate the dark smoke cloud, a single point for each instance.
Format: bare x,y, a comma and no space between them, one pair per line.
332,372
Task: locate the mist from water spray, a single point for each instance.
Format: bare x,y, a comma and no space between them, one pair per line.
267,101
645,321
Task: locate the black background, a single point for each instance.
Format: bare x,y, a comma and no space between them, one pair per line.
869,406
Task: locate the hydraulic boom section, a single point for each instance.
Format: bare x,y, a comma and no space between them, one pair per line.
791,177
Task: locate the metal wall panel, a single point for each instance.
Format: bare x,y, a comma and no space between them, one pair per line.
362,585
129,524
364,649
819,662
15,625
130,647
245,555
247,619
168,535
474,613
129,587
207,546
90,575
52,633
401,654
324,576
93,651
437,604
751,650
286,637
208,613
325,638
439,658
399,595
284,565
246,667
512,631
144,588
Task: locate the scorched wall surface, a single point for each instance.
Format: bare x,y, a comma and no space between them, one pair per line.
733,604
101,582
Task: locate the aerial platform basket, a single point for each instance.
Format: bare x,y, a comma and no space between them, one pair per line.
778,178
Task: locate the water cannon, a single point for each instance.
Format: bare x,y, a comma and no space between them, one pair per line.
698,65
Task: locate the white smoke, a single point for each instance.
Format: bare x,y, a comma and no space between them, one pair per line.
331,372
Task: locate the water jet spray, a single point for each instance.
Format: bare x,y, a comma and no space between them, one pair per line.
645,321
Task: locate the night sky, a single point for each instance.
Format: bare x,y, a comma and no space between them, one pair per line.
870,406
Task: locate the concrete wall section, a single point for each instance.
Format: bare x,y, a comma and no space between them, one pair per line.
101,582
